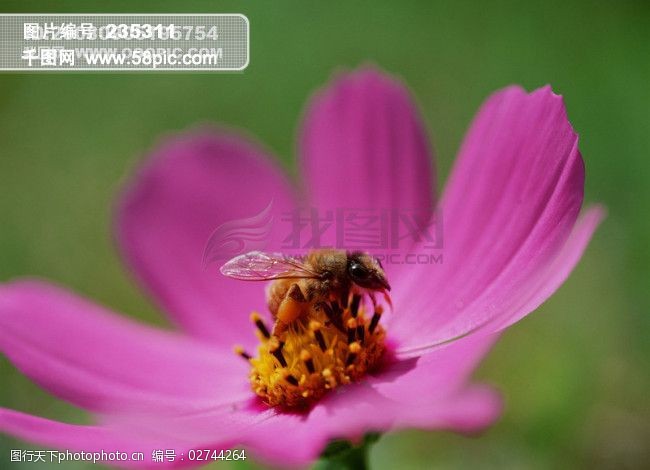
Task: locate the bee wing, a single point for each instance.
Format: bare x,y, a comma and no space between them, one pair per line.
259,266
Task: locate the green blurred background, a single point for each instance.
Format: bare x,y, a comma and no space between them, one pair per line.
574,374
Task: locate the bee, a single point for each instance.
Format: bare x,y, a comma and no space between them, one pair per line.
325,279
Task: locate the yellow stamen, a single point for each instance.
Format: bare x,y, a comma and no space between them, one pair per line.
261,327
327,348
241,352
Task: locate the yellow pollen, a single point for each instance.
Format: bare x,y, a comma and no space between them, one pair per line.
314,356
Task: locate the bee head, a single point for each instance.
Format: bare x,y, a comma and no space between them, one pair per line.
366,271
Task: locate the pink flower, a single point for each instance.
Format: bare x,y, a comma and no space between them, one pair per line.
512,234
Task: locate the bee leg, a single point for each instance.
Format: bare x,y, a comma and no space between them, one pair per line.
345,298
336,306
333,316
295,293
354,306
291,308
279,330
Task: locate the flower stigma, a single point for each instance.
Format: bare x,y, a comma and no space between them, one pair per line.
332,346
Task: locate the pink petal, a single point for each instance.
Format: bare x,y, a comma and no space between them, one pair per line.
62,435
483,317
509,211
192,185
438,373
550,279
97,439
470,411
101,361
297,442
364,146
429,392
292,440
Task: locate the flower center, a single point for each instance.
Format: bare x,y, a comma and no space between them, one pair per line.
331,346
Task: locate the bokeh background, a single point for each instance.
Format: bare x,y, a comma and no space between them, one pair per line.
574,374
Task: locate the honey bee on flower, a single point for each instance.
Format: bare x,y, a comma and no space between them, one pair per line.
321,337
